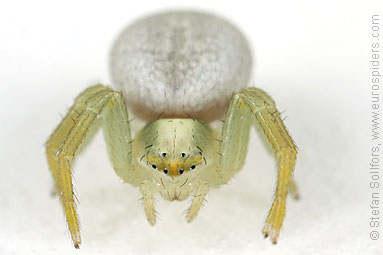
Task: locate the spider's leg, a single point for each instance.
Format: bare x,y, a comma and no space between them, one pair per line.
63,144
234,140
118,138
268,118
248,106
293,189
197,201
59,134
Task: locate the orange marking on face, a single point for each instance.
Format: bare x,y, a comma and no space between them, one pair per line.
174,169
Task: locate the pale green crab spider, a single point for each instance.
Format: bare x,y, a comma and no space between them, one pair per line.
179,71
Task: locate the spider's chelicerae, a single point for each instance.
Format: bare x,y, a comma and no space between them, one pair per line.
179,71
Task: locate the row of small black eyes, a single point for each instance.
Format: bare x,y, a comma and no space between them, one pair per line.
181,171
183,154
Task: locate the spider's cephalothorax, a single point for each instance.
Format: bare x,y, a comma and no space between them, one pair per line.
175,153
189,68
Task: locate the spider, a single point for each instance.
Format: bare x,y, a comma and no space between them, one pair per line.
179,71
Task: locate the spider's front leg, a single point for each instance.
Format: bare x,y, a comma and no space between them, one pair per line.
63,144
245,107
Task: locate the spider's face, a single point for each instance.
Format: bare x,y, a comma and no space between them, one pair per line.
174,164
175,147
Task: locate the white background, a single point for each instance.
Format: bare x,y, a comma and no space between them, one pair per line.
311,56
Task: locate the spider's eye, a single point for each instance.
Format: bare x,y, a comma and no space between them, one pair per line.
183,154
181,171
164,154
166,171
154,166
192,167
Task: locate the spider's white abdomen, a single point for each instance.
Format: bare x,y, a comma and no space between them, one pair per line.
180,64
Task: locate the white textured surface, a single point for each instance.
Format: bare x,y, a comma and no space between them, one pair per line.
180,64
312,57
